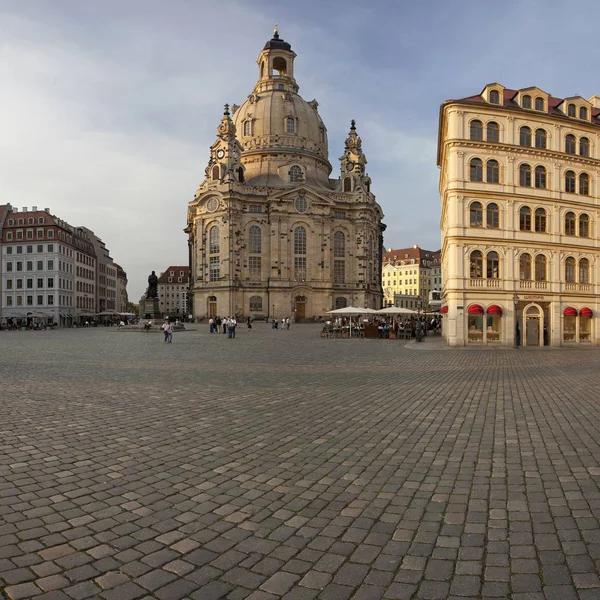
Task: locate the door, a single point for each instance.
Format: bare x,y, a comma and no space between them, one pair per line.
300,307
533,331
212,306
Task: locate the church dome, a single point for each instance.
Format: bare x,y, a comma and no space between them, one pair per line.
276,127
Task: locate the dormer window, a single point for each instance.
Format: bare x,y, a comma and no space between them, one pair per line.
21,221
11,222
571,110
30,221
526,101
41,220
247,128
494,97
539,104
583,113
290,125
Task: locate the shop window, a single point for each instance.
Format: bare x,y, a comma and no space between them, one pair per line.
570,327
475,325
585,328
493,331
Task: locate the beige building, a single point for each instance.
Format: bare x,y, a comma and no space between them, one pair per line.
409,275
270,232
172,291
519,188
121,301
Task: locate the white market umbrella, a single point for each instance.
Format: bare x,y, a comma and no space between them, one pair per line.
396,310
348,311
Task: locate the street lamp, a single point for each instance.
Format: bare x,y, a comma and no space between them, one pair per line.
517,336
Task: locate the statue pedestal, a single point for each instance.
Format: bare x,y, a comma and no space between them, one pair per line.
149,309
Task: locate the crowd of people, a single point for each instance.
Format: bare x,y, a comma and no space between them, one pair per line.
225,325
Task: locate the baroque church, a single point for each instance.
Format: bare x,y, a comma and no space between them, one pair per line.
271,233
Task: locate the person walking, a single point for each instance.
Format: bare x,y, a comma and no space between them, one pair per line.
170,330
211,325
165,328
249,322
231,325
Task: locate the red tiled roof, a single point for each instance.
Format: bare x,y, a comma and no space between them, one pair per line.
164,278
418,254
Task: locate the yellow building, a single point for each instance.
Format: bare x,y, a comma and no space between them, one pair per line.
519,189
270,232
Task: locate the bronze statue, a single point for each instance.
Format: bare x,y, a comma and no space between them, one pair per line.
152,291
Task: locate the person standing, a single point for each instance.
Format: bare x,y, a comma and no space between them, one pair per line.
211,325
249,322
165,328
231,325
170,330
225,321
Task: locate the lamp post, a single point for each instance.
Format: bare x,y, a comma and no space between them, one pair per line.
517,335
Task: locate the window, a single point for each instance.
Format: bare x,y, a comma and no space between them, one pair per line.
493,265
525,218
584,184
540,267
19,265
290,125
493,216
476,214
9,249
29,300
29,249
255,208
476,264
340,302
539,104
9,236
50,265
254,267
50,300
9,301
9,266
30,234
256,304
215,173
50,247
540,220
476,169
583,113
50,282
584,146
570,223
19,235
19,300
214,268
50,233
247,128
213,243
570,182
40,247
525,175
492,171
494,97
9,284
29,284
525,266
40,300
540,177
41,220
300,254
570,144
493,132
21,221
254,240
339,271
584,225
295,173
339,244
526,102
300,240
301,204
525,136
40,234
541,139
347,184
476,131
570,270
571,110
584,270
40,282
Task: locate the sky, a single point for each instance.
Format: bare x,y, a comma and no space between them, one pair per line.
108,109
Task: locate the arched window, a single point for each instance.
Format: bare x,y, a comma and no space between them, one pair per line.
300,254
584,225
570,144
262,69
215,172
341,302
347,184
476,133
476,264
583,113
476,214
526,102
570,223
571,110
493,265
584,270
540,177
570,182
494,97
525,266
493,132
247,128
525,175
570,270
295,173
339,244
476,169
584,146
525,136
290,125
541,139
213,241
539,103
540,220
540,267
254,240
493,216
584,184
492,171
255,304
525,218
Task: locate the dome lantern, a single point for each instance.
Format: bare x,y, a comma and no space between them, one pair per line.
276,65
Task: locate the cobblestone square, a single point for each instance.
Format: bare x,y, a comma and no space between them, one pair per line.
282,465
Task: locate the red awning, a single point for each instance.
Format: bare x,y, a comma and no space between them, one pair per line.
444,310
586,312
570,312
475,309
494,309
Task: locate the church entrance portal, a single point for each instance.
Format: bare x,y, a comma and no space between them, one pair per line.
300,307
212,306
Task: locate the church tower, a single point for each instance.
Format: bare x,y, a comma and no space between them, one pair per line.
270,233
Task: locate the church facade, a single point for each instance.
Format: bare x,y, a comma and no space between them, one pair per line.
271,234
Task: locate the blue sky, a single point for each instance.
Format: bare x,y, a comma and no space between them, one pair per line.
108,108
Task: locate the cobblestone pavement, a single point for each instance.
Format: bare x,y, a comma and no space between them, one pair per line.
282,465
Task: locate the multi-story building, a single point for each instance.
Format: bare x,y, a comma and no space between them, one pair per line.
122,299
85,276
106,276
409,273
270,232
172,290
519,189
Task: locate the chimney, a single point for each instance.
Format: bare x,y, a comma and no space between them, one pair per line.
24,209
47,210
34,208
